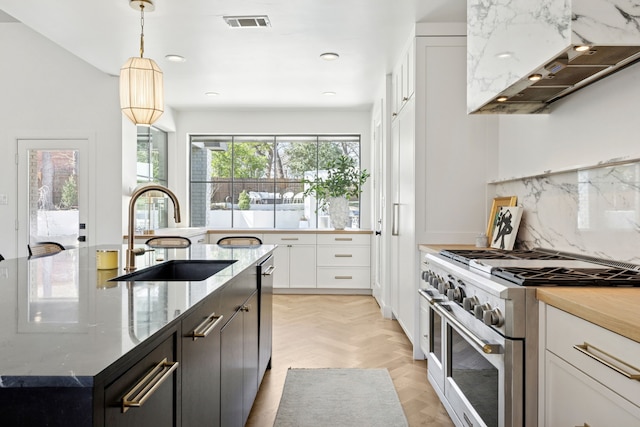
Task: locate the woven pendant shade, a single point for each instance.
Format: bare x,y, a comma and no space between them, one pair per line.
141,90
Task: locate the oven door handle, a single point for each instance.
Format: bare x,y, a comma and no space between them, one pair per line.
486,347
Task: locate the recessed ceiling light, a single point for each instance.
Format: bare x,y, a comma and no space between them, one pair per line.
212,93
582,48
501,98
329,56
174,58
329,93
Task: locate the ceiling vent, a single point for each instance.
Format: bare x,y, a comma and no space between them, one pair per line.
261,21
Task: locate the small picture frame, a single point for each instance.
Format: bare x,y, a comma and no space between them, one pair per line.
497,203
506,227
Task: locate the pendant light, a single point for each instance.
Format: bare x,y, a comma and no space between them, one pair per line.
141,91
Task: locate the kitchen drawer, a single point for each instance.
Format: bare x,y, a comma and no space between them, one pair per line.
289,239
574,399
561,325
343,277
159,406
353,256
344,239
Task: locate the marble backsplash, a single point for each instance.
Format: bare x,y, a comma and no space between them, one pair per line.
594,212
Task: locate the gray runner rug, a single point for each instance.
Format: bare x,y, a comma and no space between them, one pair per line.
339,398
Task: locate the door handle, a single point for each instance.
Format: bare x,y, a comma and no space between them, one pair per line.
378,233
395,220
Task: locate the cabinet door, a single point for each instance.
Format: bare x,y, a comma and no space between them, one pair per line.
302,266
424,325
574,399
201,367
281,261
231,372
159,405
250,354
265,327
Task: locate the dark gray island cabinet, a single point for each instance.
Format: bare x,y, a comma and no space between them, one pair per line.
164,353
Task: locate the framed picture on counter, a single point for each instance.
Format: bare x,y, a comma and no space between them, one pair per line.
493,215
506,227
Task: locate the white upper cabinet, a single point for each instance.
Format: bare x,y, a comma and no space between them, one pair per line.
403,79
509,42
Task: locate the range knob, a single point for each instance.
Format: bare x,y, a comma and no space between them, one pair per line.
444,286
493,317
425,276
456,294
479,310
468,303
435,280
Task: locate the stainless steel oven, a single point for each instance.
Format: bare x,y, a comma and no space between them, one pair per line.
482,355
477,373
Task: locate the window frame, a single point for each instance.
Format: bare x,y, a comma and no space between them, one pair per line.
274,181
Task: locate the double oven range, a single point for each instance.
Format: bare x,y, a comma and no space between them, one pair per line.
482,318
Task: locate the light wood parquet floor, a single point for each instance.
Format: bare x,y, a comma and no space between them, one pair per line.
344,331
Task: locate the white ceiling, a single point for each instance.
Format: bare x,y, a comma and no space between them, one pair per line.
276,67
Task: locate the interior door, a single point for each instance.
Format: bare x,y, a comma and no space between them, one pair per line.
52,192
393,223
378,214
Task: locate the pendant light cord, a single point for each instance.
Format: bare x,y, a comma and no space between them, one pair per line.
141,30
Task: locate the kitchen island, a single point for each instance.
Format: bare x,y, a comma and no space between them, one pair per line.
70,337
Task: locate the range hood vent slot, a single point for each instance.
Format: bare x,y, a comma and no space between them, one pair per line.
561,76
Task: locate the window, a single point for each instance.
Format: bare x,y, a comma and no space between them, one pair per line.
151,211
257,181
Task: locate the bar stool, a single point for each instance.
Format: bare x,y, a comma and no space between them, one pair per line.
41,249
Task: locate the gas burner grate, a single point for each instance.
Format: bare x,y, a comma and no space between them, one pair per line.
465,255
560,276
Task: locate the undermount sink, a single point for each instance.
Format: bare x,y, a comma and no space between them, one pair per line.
177,271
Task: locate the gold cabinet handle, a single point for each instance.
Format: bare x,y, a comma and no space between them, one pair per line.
144,388
289,238
343,255
343,239
269,270
245,308
343,277
204,328
608,360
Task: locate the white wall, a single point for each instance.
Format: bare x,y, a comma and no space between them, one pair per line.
272,122
598,123
46,91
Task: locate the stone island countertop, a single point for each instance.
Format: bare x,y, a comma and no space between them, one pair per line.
63,321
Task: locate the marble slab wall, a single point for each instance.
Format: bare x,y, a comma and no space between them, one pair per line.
594,212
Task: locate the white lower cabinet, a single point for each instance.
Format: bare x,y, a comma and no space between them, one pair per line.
294,258
585,374
344,261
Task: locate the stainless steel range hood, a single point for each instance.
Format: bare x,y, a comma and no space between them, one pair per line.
523,55
563,75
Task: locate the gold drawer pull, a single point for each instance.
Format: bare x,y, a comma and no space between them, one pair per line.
343,277
609,361
148,385
343,255
269,270
344,239
204,328
289,238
